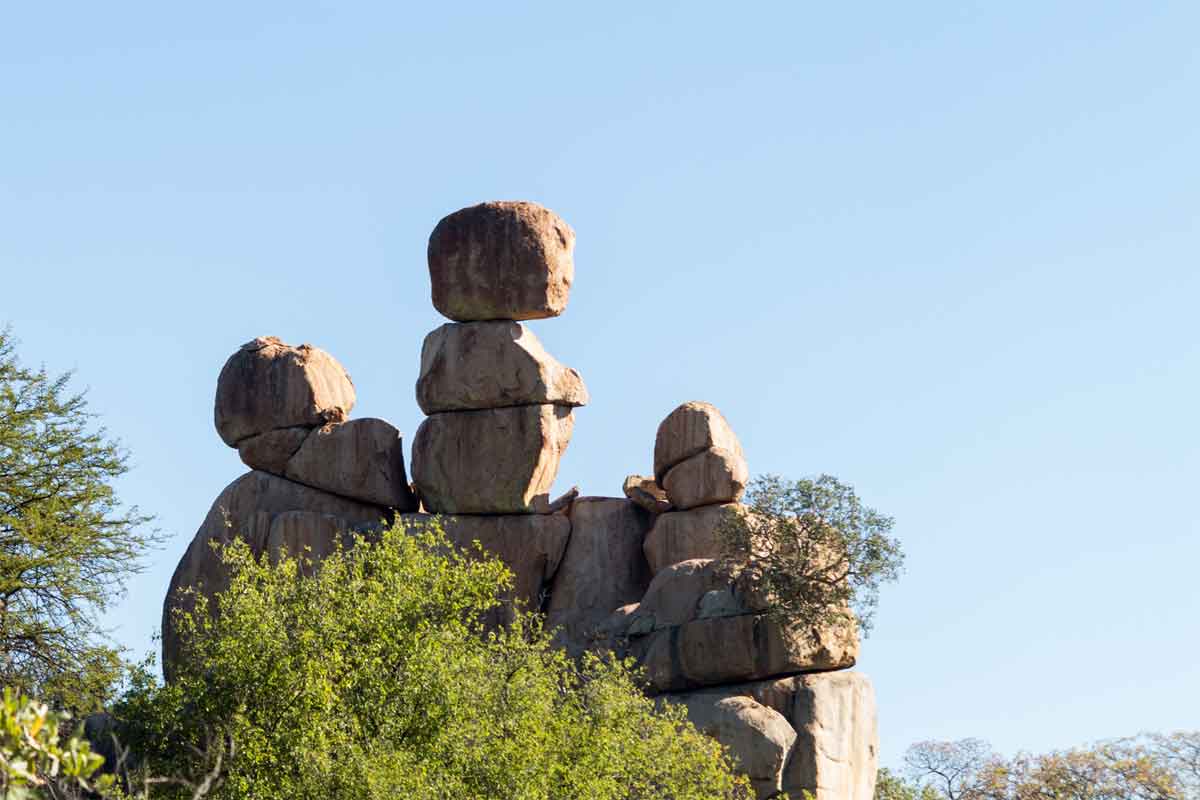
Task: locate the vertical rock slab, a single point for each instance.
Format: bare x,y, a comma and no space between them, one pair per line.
498,461
362,459
267,384
689,430
501,260
469,366
837,743
603,568
530,545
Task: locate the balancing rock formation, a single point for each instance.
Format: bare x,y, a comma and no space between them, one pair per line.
638,575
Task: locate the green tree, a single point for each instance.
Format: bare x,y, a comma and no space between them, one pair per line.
67,545
813,549
35,760
373,678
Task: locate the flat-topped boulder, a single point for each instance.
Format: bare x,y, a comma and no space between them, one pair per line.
267,384
689,430
501,260
498,461
469,366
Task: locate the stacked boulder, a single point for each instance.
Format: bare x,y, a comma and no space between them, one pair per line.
316,477
640,575
706,640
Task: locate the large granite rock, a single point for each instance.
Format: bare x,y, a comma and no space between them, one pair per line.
722,649
834,754
501,260
476,365
603,569
362,459
689,430
683,535
271,451
308,536
837,742
530,545
246,509
711,477
646,493
267,384
758,737
498,461
695,589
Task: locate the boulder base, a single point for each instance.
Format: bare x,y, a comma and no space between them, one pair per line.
271,451
683,535
501,260
362,459
499,461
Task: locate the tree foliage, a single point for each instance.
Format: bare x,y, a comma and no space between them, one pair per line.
373,679
813,549
1145,767
36,760
67,545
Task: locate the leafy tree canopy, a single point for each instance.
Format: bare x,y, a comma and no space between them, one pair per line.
67,545
374,679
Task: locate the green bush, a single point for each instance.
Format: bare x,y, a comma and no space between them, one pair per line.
374,679
35,761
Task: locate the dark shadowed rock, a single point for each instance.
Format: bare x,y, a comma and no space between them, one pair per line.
499,461
689,430
476,365
501,260
712,477
267,384
603,568
362,459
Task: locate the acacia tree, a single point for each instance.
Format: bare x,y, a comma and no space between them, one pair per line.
67,545
812,549
372,678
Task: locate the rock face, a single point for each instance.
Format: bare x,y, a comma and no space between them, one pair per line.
709,478
530,545
647,494
603,568
267,384
758,737
689,430
246,509
479,365
499,461
362,459
501,260
271,451
684,535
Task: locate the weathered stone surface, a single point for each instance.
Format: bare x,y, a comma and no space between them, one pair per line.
689,430
758,737
675,595
246,509
728,649
709,478
270,451
501,260
362,459
530,545
647,494
308,536
837,743
499,461
602,570
469,366
683,535
267,384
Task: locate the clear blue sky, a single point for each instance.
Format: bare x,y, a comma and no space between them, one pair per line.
948,252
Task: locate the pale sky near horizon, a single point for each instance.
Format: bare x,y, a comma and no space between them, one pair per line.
949,253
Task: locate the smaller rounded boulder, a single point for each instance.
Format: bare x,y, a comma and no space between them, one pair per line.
268,384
